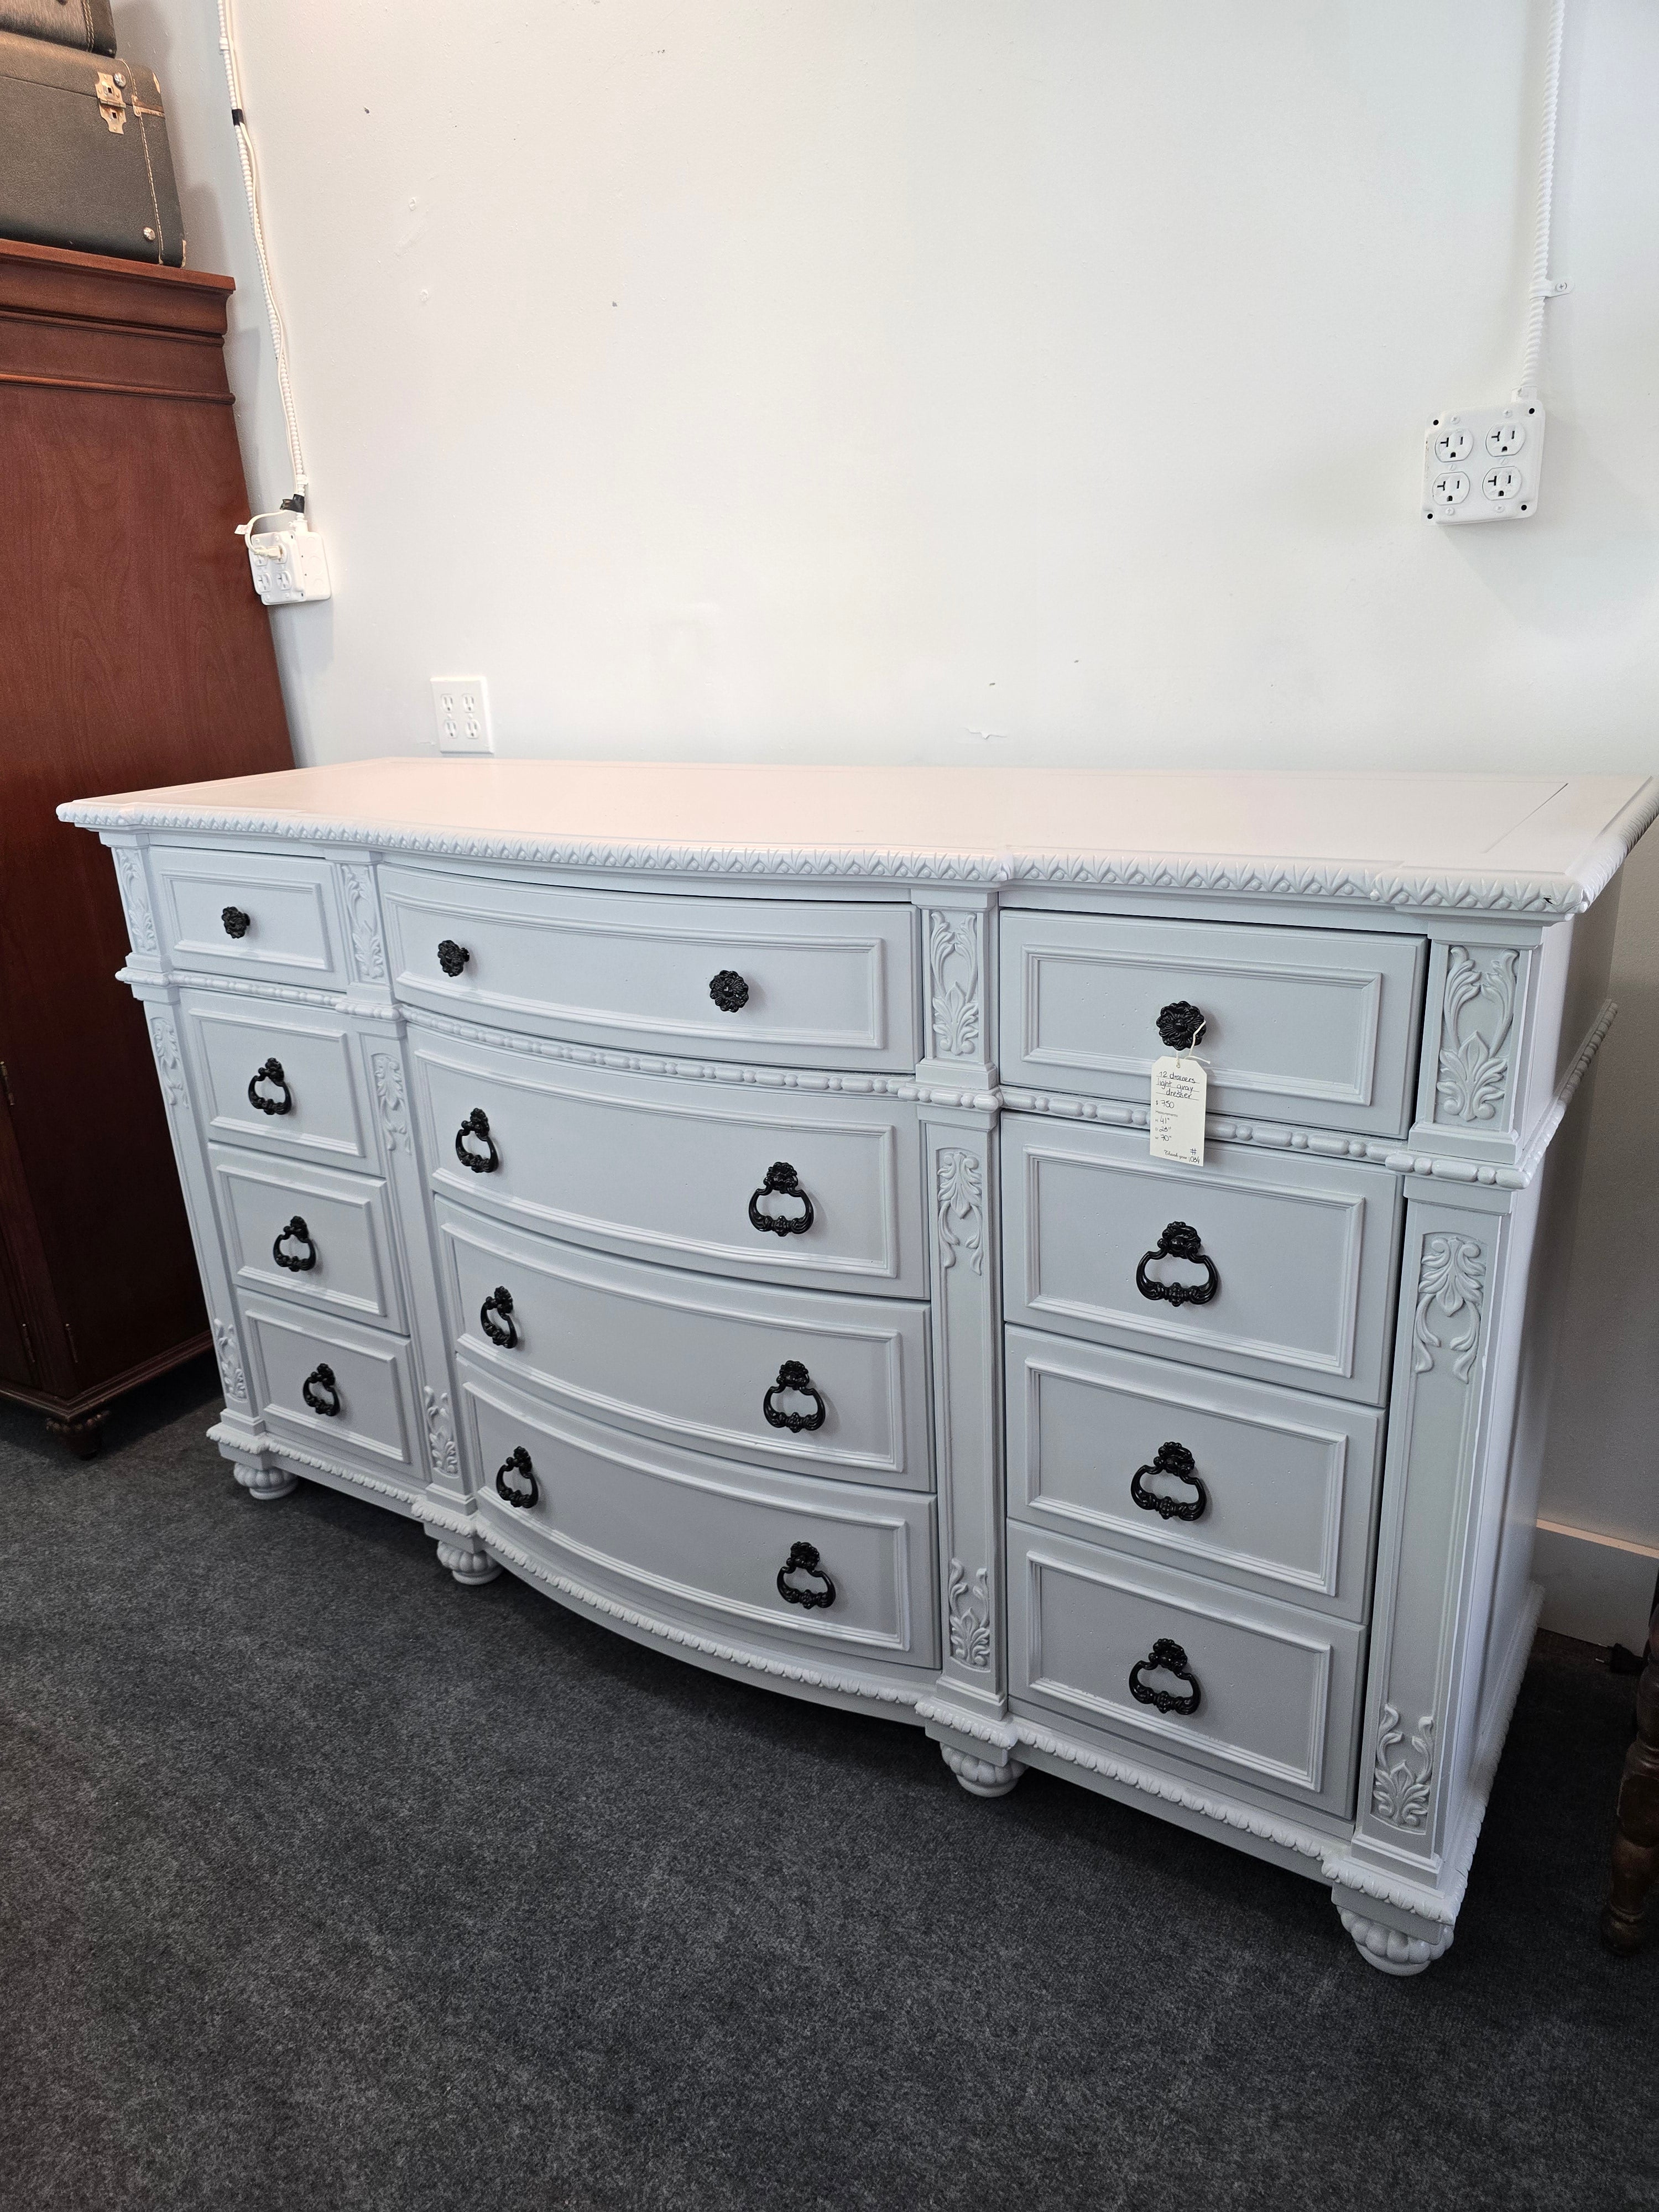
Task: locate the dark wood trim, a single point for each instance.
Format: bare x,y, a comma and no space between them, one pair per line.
88,1403
1635,1837
126,391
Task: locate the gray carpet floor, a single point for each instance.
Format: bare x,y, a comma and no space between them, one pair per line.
326,1883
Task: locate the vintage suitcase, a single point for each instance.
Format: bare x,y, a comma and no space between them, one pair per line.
88,24
83,154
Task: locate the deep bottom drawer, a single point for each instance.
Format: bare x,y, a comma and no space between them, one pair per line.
1264,1692
343,1390
683,1534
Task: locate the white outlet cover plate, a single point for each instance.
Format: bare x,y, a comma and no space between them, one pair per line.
1483,463
461,704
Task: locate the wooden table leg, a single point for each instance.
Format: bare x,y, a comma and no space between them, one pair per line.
1636,1840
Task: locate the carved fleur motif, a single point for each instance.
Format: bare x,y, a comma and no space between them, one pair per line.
970,1607
169,1063
230,1359
366,946
1474,1033
1452,1282
389,1091
953,968
135,898
1400,1788
439,1435
961,1211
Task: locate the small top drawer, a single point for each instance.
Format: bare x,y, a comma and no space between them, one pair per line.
791,984
1313,1026
270,915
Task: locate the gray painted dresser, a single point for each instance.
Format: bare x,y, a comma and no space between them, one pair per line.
723,1197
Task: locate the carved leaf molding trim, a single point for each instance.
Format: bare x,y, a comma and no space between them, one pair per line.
1401,1788
389,1091
135,898
961,1211
367,949
230,1360
1452,1283
1474,1034
969,1607
953,966
169,1063
440,1434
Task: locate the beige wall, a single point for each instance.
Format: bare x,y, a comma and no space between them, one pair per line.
956,379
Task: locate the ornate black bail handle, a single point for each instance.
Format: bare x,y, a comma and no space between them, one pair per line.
237,924
500,1301
515,1479
780,1180
1174,1459
1181,1024
1165,1657
297,1263
1179,1241
321,1379
453,958
270,1072
729,991
804,1560
476,1129
792,1375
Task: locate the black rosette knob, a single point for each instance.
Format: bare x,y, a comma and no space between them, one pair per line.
802,1581
1175,1460
271,1075
495,1318
297,1263
453,958
729,991
1179,1241
474,1133
793,1381
780,1181
320,1391
1181,1024
237,924
515,1479
1165,1657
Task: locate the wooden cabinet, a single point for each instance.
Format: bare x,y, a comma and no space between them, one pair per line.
136,652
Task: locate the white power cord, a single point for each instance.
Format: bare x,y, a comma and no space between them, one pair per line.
278,335
1543,288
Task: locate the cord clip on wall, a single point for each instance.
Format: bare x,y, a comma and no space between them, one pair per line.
288,562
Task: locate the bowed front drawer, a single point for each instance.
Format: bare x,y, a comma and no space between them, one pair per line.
702,1538
1310,1025
692,1173
778,982
1294,1277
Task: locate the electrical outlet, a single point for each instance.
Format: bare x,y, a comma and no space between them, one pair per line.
1483,464
462,706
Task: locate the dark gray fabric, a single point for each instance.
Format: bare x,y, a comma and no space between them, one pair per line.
327,1884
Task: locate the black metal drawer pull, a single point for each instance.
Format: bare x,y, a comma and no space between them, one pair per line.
804,1560
321,1379
1178,1242
453,958
1168,1658
270,1072
476,1126
237,924
500,1301
297,1263
792,1375
781,1181
524,1489
1176,1460
729,991
1181,1024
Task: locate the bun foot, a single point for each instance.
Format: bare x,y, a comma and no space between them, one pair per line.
1391,1950
83,1433
265,1482
979,1776
467,1560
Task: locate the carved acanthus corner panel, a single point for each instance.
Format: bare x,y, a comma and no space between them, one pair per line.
1401,1787
954,971
969,1611
961,1210
1475,1026
1450,1287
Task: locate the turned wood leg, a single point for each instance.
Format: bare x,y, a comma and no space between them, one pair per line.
465,1557
981,1777
83,1433
1636,1839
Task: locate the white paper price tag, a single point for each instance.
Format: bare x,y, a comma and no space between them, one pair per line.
1179,1085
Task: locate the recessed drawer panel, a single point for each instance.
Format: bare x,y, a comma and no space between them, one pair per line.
689,1536
285,1077
307,1234
767,980
270,915
694,1358
671,1171
345,1391
1272,1488
1309,1025
1297,1252
1265,1692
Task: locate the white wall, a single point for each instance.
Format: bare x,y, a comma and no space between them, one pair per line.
946,380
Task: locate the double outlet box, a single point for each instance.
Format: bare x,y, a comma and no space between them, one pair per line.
1483,464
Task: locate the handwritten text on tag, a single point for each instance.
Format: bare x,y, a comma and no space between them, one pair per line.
1179,1084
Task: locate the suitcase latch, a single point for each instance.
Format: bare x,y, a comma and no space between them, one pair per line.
111,105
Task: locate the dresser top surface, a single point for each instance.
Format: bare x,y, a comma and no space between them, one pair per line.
1537,844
